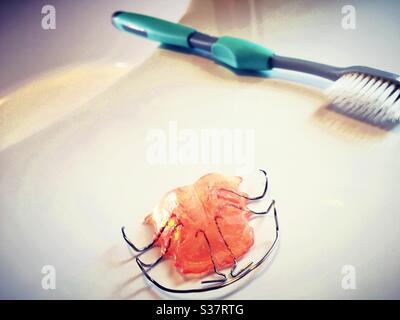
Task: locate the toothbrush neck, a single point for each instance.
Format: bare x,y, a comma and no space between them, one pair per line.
314,68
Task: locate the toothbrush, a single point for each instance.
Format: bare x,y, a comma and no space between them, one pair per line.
365,93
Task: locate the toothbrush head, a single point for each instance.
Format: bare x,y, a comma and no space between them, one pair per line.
372,96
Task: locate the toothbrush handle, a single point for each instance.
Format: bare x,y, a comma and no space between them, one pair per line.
236,53
153,28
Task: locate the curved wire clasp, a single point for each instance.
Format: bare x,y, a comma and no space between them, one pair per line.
221,284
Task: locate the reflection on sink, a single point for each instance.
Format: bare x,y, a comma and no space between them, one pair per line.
42,101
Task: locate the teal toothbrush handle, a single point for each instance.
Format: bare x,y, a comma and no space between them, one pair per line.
237,53
242,54
153,28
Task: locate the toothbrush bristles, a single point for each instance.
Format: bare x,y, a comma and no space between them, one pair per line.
366,97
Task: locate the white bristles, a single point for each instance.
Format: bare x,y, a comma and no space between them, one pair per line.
367,97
